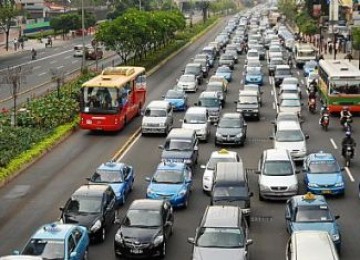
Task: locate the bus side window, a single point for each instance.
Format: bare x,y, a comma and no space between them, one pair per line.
141,82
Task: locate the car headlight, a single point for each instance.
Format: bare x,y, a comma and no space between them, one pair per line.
313,185
158,240
149,191
202,131
118,238
293,187
161,124
188,161
335,237
264,187
239,110
218,135
239,135
339,184
256,110
182,193
96,226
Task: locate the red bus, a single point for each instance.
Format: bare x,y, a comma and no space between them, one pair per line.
111,99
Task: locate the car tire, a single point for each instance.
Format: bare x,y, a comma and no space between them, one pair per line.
102,235
163,250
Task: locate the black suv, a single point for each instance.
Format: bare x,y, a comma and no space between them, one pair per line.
231,129
181,145
281,72
145,229
248,106
91,206
231,187
195,69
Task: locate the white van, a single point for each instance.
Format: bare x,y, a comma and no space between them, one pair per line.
311,245
158,118
197,118
289,136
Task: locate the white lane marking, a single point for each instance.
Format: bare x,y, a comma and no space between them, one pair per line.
67,57
41,74
302,81
275,97
36,67
60,67
272,93
274,106
298,72
333,143
241,82
349,174
127,149
74,61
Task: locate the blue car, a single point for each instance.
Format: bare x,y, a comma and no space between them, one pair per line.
311,212
117,175
254,76
309,67
56,241
323,174
171,181
177,99
225,72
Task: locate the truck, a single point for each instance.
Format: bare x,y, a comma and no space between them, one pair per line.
304,52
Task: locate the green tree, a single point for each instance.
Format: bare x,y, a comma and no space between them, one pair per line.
8,11
65,23
355,35
306,23
289,8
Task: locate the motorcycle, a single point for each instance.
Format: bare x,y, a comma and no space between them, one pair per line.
312,105
348,155
324,121
346,123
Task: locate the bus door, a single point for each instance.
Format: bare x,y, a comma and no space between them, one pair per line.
140,89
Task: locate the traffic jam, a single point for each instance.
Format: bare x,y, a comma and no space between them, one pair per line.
248,134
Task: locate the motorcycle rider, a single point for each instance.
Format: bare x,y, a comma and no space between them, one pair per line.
344,114
312,99
347,141
33,54
324,112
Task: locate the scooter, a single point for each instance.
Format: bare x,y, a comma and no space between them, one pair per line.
312,106
346,123
348,155
324,121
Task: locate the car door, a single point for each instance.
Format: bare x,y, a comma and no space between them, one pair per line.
108,209
196,149
80,246
188,178
289,215
168,221
71,248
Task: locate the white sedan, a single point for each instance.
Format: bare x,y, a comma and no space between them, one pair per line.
187,83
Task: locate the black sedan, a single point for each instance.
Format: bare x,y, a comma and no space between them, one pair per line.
145,229
231,130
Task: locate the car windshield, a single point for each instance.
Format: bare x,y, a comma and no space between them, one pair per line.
289,136
195,119
274,49
214,160
192,70
223,70
84,204
324,166
253,71
229,123
48,249
248,99
220,237
278,168
168,176
231,191
276,62
178,145
187,78
282,72
227,57
290,103
107,176
214,87
173,94
290,81
313,213
252,54
155,112
142,218
209,102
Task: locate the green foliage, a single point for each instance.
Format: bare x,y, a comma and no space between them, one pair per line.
355,34
72,21
289,8
306,23
222,5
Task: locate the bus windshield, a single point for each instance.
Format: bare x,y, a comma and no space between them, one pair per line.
101,100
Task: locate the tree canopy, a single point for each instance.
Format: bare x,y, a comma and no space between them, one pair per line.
8,11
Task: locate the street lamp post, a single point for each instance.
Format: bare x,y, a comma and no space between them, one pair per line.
83,35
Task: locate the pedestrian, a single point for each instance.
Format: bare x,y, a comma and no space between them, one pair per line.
22,45
348,56
15,44
325,47
330,47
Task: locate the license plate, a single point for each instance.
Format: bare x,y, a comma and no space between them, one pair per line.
136,251
326,191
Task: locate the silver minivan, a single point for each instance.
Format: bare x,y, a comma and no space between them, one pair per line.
158,118
308,245
196,118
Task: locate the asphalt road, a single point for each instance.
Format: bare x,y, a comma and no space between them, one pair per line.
33,198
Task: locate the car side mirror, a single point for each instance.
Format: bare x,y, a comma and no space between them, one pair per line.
73,255
148,179
191,240
188,180
249,242
273,122
342,169
251,194
215,124
297,171
177,80
196,104
161,147
307,137
287,217
196,148
337,217
235,101
88,178
271,137
257,172
61,209
163,96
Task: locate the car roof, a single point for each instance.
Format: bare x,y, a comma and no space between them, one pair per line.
277,155
288,125
232,115
282,66
144,204
193,64
196,110
181,133
291,79
289,96
158,104
91,190
222,216
208,94
321,156
53,231
289,86
111,166
309,199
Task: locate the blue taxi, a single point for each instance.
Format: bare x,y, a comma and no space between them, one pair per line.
119,176
254,76
59,241
309,67
171,181
323,174
177,99
311,212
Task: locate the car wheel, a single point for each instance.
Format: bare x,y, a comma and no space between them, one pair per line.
163,250
86,254
102,236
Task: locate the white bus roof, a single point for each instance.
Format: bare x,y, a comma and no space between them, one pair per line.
339,68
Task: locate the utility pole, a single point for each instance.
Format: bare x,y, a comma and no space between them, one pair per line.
57,75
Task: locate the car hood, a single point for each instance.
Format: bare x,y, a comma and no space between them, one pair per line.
247,105
330,227
153,120
278,180
324,179
223,74
175,101
228,131
194,126
168,154
291,146
85,220
166,188
207,253
139,235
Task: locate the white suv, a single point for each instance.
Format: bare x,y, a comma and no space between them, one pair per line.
277,175
216,156
197,118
